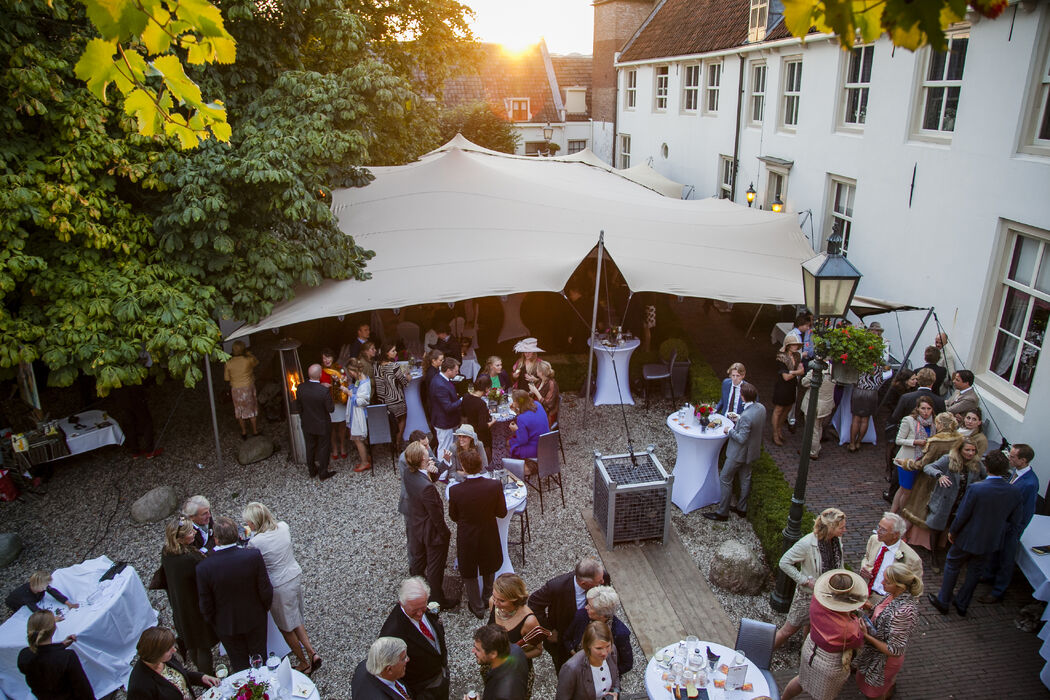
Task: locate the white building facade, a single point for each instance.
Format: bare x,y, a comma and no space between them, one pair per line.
936,164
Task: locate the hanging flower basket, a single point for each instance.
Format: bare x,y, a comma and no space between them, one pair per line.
850,351
844,374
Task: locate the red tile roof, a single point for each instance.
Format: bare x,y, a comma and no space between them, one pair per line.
684,27
574,71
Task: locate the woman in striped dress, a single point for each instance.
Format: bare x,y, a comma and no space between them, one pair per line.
884,643
391,381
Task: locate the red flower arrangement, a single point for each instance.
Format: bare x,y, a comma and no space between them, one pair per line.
704,410
253,690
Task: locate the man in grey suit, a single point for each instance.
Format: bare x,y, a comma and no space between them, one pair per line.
965,397
745,446
991,510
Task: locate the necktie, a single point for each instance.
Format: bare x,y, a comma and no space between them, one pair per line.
732,399
1014,479
426,632
875,568
401,689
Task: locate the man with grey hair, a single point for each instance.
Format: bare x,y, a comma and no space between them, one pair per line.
379,676
198,510
426,675
886,547
556,603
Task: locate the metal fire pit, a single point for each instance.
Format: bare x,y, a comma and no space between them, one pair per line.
632,502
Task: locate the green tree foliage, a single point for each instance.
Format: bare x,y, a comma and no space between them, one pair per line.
909,23
115,242
478,123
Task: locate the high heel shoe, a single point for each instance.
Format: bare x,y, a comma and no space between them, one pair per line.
315,663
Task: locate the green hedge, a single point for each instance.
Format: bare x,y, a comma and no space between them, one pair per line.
570,370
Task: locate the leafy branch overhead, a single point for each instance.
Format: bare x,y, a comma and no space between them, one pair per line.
136,54
910,24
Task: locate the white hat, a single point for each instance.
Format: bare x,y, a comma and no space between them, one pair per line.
466,430
527,345
841,590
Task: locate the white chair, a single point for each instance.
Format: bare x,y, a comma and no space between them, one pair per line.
658,373
408,333
517,468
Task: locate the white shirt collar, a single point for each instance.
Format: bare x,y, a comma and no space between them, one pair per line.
224,546
581,595
1021,472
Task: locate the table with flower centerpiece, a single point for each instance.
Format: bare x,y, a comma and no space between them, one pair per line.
283,684
715,668
696,469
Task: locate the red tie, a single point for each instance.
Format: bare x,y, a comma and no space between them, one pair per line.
401,688
426,632
875,568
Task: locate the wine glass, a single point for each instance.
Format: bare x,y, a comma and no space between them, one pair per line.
255,661
272,662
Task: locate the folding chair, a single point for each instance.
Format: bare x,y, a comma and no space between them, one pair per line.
755,638
549,467
379,433
658,373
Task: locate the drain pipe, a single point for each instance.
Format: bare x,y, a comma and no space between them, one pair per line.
736,131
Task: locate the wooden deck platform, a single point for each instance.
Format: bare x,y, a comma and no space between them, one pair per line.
662,591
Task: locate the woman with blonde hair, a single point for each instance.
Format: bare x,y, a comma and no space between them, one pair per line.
885,640
273,539
944,437
508,608
179,560
358,396
527,427
811,556
494,370
239,372
52,671
546,391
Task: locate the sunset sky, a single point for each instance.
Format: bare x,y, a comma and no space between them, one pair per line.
565,24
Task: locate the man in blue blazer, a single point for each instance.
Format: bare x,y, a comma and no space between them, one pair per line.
732,401
744,447
445,404
1023,479
990,511
234,595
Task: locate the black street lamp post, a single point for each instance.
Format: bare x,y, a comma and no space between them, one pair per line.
829,281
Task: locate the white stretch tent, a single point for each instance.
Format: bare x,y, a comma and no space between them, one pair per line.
465,222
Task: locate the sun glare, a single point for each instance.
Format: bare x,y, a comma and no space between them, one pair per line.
565,24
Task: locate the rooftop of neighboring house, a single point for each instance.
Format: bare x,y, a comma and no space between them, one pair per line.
687,27
506,78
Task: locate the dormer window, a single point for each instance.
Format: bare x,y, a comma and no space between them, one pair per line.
519,109
756,27
576,100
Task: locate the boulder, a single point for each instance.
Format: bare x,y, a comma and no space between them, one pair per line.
255,449
155,505
10,547
737,569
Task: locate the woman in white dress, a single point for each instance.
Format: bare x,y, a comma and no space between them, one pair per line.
357,397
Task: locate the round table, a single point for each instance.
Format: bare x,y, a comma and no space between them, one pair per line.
300,681
656,689
416,419
696,470
842,419
614,381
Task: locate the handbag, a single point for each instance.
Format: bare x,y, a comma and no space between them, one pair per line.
159,582
535,637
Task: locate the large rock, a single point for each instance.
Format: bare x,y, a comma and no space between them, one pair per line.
737,569
154,505
10,547
255,449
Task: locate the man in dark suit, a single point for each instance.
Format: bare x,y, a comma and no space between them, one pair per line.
428,534
508,676
198,510
364,333
743,447
235,594
990,511
379,676
933,356
1024,480
447,344
424,636
445,404
417,563
556,602
474,505
731,400
315,406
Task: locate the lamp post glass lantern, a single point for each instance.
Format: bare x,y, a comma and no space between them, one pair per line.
291,378
548,134
778,205
750,194
829,282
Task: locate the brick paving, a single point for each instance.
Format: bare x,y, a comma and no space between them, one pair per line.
980,656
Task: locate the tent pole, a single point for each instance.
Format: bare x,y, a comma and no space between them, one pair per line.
748,333
214,419
904,360
594,313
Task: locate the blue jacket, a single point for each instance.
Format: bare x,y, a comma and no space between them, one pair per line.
526,441
444,403
723,406
1029,485
990,511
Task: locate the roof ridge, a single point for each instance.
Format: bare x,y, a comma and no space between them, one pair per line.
642,27
552,79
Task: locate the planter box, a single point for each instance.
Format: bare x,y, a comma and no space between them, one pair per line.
844,374
631,502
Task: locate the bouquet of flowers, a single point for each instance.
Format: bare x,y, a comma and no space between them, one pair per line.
496,395
858,348
703,411
253,690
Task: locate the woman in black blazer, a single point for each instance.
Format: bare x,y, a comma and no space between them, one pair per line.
52,671
157,675
179,559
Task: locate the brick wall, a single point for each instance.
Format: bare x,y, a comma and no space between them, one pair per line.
615,21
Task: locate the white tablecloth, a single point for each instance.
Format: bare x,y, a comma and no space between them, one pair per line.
1037,568
614,365
91,437
696,469
656,690
779,332
300,681
111,616
842,419
513,327
416,418
516,501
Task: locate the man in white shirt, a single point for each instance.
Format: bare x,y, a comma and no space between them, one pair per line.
886,547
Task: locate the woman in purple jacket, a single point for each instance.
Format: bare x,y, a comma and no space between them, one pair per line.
528,426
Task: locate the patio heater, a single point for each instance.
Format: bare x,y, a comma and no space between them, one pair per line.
291,378
829,282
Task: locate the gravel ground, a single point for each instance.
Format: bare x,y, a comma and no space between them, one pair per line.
348,535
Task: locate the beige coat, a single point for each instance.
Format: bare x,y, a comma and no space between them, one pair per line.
905,555
825,395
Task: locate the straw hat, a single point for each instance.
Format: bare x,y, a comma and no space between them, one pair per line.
790,339
841,590
527,345
466,430
875,327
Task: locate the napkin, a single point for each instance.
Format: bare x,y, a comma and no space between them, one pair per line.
284,674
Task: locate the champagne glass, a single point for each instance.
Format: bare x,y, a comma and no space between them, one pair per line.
255,661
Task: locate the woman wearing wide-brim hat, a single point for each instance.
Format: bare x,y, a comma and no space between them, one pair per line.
525,371
789,368
834,633
465,438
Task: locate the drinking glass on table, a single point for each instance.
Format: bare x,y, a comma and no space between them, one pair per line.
272,662
255,661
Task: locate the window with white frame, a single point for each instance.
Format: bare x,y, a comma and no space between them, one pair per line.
756,26
630,91
757,87
843,191
660,89
1022,308
535,148
625,150
776,186
576,145
711,88
856,85
942,86
725,177
1037,134
519,109
691,88
792,92
1042,131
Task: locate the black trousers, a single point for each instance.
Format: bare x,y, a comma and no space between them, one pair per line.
239,647
317,450
558,653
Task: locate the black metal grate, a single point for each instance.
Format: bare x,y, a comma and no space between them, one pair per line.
636,496
622,470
